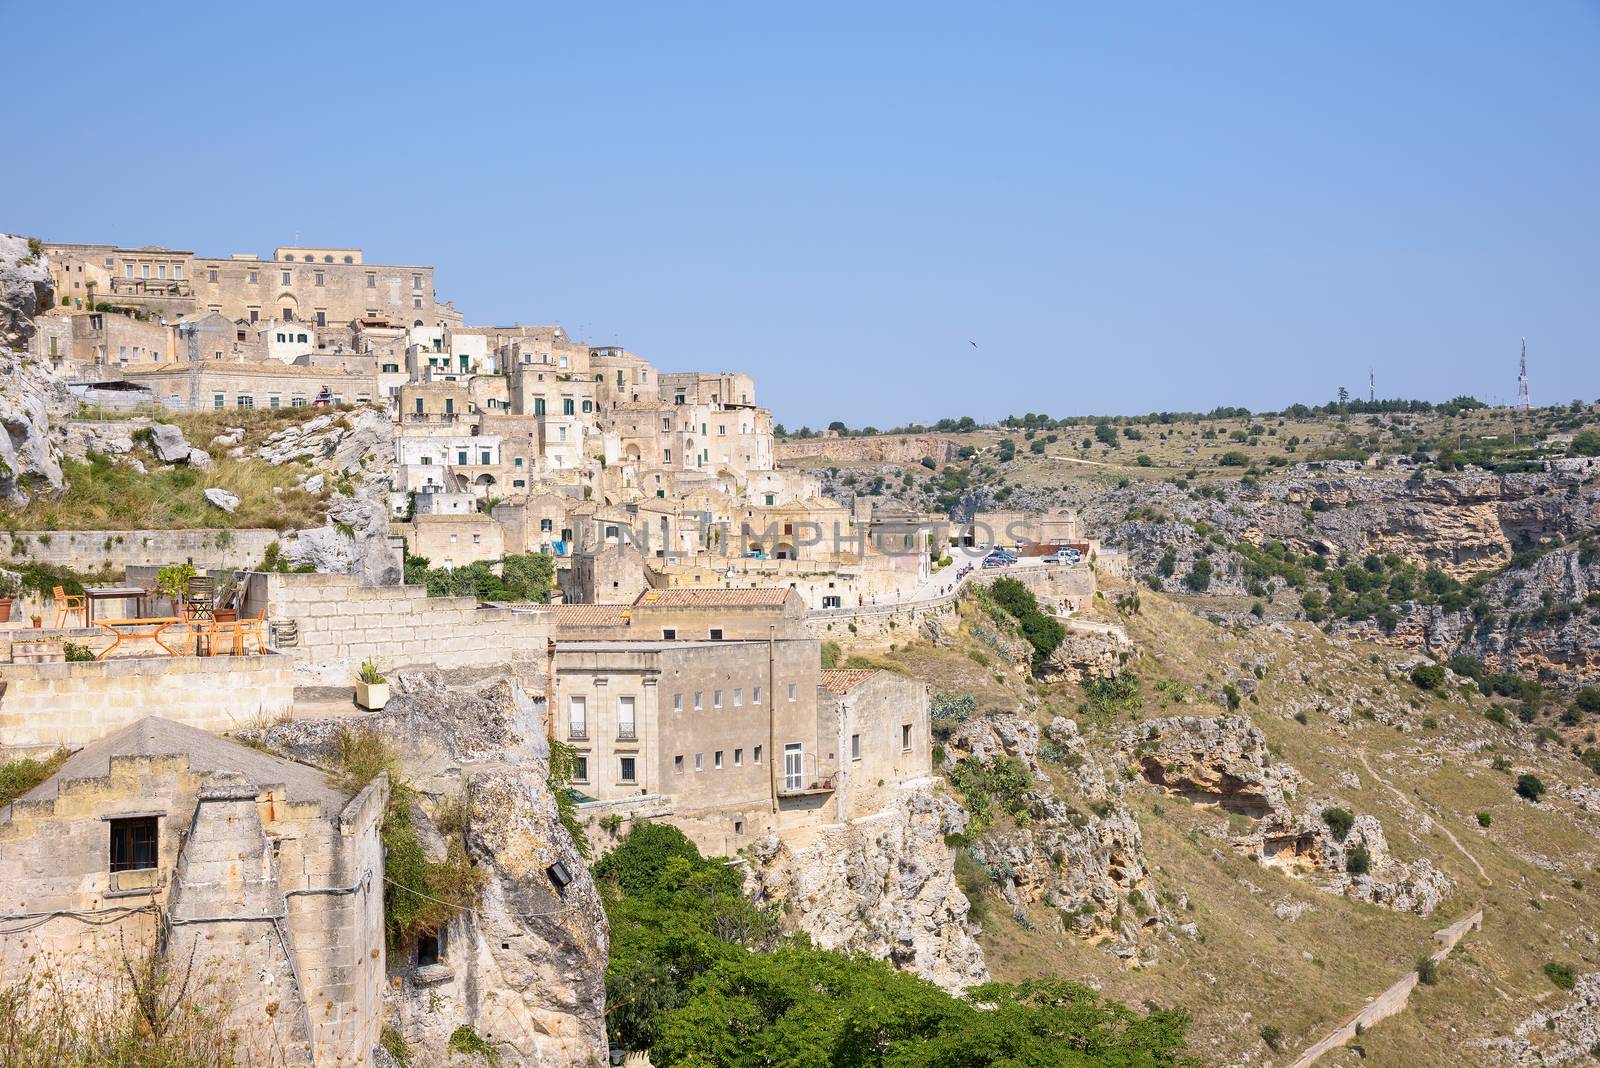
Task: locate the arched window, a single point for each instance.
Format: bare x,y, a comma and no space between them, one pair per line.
327,259
349,259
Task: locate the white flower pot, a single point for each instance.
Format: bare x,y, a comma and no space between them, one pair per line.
372,696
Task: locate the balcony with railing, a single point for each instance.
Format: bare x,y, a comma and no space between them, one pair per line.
806,777
578,731
627,732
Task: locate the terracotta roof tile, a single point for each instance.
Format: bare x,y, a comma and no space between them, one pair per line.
842,680
774,596
589,615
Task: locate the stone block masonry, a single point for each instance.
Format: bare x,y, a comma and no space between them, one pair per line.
340,623
47,705
91,550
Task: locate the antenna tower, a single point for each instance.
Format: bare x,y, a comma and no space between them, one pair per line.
1522,380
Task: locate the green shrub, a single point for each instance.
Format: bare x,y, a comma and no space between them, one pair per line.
1428,676
1339,821
1427,971
1357,860
1562,975
831,651
1199,577
1272,1036
19,776
1484,819
1529,786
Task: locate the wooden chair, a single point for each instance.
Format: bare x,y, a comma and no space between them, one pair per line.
199,602
67,604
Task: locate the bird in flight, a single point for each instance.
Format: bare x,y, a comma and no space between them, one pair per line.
974,344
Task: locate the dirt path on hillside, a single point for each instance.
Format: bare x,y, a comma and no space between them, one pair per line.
1438,817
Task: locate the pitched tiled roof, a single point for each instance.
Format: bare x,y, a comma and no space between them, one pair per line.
689,598
589,615
842,680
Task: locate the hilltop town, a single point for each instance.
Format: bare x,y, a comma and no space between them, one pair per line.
384,689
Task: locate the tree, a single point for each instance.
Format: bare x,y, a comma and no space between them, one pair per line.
1233,458
1357,860
1530,787
528,576
1339,821
1199,577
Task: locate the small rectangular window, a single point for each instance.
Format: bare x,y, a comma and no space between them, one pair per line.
755,755
285,277
855,747
738,697
580,769
716,760
677,764
716,698
794,692
716,634
905,737
628,765
218,400
738,758
134,843
677,702
699,762
755,696
319,278
669,634
698,695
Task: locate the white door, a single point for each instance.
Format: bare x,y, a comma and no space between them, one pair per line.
794,766
578,717
625,724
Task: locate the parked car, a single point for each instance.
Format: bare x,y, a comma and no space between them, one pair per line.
1004,554
1064,556
996,561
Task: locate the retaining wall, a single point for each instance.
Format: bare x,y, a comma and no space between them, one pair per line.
47,705
91,550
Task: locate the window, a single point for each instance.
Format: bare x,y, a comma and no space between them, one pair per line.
255,315
794,766
349,259
794,692
218,400
519,483
288,315
588,406
738,758
372,281
416,302
738,826
677,764
483,457
716,634
461,456
577,717
563,361
677,702
430,948
716,698
134,843
327,259
755,696
699,762
855,747
670,634
301,338
255,277
738,697
272,401
699,696
626,728
716,760
416,282
297,402
245,400
538,406
905,737
322,317
580,769
771,498
755,755
319,278
566,406
628,764
285,277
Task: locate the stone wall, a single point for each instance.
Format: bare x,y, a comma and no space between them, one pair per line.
71,704
340,623
883,623
878,449
91,550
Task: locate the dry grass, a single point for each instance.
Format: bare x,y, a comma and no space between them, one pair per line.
102,495
1250,969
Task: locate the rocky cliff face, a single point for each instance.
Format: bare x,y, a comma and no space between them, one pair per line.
883,886
1224,762
31,394
1567,1035
525,968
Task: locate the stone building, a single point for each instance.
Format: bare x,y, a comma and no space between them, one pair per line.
254,878
685,615
727,732
879,721
270,384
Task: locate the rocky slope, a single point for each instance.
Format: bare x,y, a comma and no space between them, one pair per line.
31,394
883,886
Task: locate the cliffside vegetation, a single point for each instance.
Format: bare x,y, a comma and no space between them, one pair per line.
521,578
699,976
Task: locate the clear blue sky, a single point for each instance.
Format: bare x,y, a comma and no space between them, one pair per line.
1171,209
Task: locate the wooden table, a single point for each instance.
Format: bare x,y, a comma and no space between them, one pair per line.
91,594
137,628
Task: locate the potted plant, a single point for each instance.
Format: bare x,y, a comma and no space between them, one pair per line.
9,588
372,689
38,620
174,582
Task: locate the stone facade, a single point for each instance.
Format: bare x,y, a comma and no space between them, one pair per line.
270,880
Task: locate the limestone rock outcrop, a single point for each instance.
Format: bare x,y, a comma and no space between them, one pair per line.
884,886
1221,761
32,396
26,290
1564,1035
